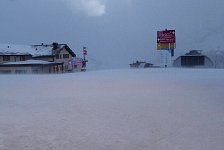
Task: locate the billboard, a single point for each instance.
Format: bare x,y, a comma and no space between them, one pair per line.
166,41
166,37
166,46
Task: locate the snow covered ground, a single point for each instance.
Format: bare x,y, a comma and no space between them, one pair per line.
129,109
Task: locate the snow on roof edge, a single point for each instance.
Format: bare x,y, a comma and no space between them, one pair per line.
30,62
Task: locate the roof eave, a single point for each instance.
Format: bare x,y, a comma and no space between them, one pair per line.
69,50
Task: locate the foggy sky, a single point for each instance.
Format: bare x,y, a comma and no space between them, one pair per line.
116,32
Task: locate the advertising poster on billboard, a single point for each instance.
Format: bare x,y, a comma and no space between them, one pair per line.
166,43
166,37
165,46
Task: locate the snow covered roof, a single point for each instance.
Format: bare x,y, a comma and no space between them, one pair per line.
42,50
29,62
194,53
34,50
11,49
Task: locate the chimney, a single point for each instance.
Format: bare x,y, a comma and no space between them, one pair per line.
55,45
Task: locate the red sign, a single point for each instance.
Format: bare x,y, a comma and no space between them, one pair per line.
166,36
84,51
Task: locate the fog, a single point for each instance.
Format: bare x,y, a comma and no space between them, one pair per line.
115,32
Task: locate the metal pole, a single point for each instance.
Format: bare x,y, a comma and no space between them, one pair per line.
215,59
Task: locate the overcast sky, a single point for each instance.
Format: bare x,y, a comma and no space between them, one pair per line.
116,32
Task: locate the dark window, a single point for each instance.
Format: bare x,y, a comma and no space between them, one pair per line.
22,58
5,71
20,71
6,58
65,55
57,56
34,71
192,60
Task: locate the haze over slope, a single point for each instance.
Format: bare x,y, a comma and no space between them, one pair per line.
113,109
115,32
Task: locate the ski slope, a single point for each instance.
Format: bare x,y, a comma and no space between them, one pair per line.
126,109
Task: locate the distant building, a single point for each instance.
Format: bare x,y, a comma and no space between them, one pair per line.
193,59
43,58
140,64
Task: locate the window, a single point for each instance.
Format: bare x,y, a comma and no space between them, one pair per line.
22,58
57,56
192,60
65,55
6,58
34,71
5,71
20,71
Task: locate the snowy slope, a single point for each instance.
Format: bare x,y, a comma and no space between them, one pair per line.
133,109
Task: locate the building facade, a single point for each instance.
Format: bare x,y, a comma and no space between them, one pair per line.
43,58
193,59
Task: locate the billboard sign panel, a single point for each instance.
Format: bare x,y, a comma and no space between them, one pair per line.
165,46
166,36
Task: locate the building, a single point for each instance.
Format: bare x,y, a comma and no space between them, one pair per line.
30,66
43,58
193,59
141,64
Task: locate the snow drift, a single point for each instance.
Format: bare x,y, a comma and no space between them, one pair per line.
133,109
